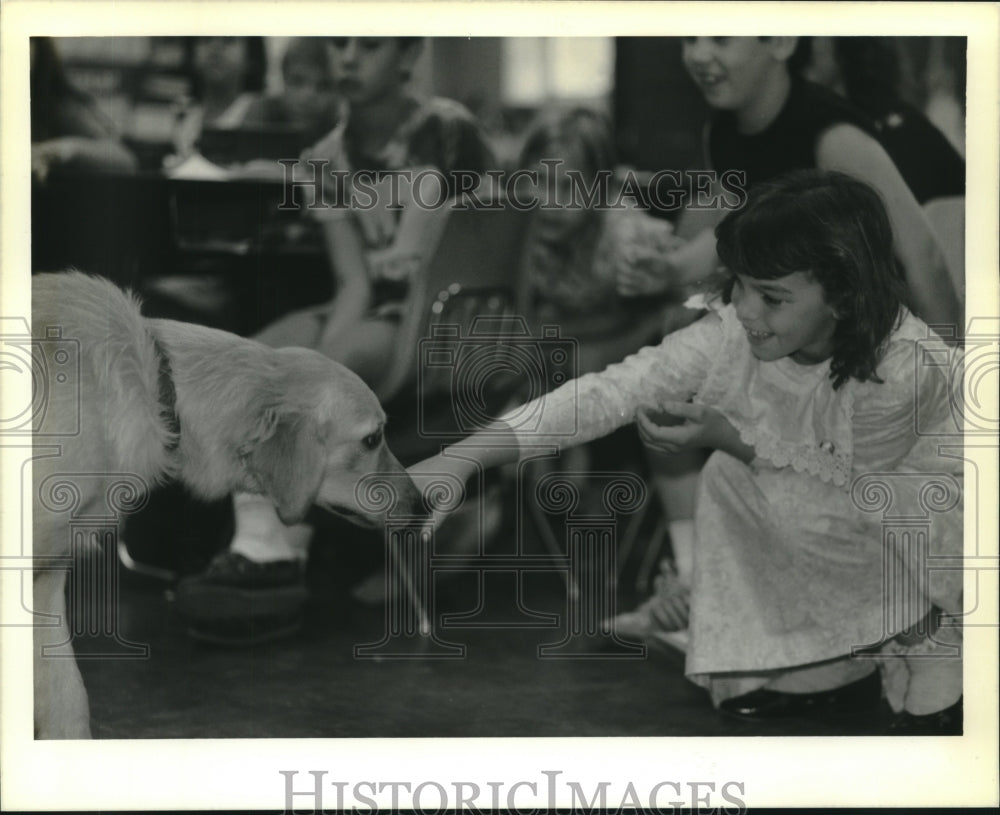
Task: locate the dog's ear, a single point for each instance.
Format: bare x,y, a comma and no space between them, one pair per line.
288,463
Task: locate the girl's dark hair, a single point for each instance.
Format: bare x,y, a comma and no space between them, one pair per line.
583,129
835,228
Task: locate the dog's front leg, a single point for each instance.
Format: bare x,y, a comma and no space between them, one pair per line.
61,707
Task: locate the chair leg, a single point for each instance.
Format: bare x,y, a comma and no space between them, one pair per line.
552,545
651,555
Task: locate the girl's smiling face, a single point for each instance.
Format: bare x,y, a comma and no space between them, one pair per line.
785,317
745,75
729,71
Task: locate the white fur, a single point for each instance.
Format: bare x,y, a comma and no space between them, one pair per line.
288,423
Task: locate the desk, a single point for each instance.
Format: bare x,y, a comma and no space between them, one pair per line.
114,225
134,229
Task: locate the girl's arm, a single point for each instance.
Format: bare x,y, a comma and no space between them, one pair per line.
344,242
931,293
421,222
493,446
352,287
589,407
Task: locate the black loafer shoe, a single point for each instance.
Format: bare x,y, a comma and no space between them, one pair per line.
233,569
947,722
236,601
770,704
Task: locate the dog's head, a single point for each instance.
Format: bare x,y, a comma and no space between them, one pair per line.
323,443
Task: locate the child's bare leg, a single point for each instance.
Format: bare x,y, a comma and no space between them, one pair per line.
675,479
261,536
300,328
366,347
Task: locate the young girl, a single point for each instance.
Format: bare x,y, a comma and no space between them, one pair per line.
805,374
307,103
255,590
575,252
576,256
228,79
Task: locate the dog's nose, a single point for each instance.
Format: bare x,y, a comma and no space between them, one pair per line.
398,497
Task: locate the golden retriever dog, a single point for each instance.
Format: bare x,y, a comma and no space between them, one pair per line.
158,399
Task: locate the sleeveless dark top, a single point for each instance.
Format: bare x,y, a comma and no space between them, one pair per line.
925,158
789,143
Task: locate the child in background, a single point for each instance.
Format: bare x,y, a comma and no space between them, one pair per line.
374,249
768,121
307,102
68,130
576,252
255,590
804,378
228,79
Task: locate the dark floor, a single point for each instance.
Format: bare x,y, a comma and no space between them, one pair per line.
311,684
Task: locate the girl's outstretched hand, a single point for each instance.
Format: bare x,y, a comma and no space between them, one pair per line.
441,481
688,426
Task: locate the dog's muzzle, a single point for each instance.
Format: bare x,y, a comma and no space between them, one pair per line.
390,494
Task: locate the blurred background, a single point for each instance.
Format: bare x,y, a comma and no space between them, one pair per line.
657,112
164,119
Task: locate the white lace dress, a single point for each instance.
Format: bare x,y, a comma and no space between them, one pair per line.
794,551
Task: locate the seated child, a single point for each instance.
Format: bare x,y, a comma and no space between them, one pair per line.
804,374
256,587
576,251
307,103
228,80
768,121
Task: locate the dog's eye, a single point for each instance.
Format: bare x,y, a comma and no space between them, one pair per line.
373,440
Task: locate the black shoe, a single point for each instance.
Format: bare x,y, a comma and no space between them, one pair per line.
236,601
947,722
770,704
